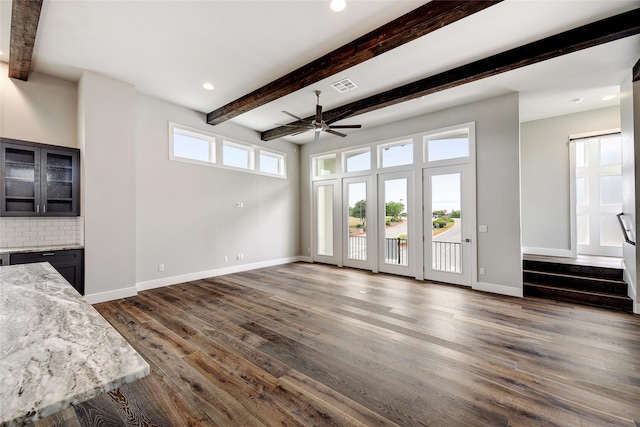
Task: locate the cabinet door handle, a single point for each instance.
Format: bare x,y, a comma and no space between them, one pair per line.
37,208
44,208
48,254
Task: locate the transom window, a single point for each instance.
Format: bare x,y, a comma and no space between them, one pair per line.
191,146
199,147
357,160
448,145
396,154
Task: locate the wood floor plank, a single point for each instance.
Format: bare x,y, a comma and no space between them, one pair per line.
313,345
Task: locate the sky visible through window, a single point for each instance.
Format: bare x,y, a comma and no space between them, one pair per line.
397,155
447,148
189,147
235,156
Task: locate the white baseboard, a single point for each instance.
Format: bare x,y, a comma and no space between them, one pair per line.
166,281
111,295
548,252
498,289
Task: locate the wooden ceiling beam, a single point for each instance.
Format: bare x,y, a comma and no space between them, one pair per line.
25,15
586,36
413,25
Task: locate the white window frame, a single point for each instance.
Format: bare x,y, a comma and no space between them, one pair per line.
239,146
469,128
216,152
314,164
354,153
397,143
194,133
282,170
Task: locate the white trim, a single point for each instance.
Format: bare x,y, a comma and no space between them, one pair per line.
594,134
498,289
173,280
566,253
111,295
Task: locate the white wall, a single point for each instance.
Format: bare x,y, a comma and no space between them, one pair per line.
497,175
106,118
545,177
187,217
44,109
141,209
628,178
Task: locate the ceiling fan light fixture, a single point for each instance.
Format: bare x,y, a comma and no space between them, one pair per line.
208,86
338,5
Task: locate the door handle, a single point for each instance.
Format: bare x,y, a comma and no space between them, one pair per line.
467,240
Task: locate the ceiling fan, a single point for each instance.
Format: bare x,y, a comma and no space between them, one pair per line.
317,124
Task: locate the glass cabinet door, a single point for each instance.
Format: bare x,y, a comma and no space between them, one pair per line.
58,188
21,182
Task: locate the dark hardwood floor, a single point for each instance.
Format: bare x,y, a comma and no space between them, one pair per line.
315,345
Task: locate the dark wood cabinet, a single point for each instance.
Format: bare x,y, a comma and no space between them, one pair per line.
39,179
69,263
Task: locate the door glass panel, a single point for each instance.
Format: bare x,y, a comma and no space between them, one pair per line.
447,223
610,150
357,230
610,190
582,228
610,232
581,153
582,191
396,220
324,217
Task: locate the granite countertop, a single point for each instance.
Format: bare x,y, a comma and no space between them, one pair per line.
55,349
40,248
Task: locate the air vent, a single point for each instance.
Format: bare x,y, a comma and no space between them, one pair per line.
343,85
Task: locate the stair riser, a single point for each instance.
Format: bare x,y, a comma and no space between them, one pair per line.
617,288
575,270
575,298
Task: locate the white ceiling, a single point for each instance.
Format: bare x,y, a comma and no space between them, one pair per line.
168,49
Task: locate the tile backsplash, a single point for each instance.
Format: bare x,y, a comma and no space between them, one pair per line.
41,231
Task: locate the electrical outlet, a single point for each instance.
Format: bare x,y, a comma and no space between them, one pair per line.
482,270
160,267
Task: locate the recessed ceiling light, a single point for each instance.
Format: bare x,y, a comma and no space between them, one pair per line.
208,86
608,97
338,5
577,100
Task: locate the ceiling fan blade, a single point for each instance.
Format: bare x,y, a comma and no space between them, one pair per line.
335,133
318,113
338,117
294,116
345,127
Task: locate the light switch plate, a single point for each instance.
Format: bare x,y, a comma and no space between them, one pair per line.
483,229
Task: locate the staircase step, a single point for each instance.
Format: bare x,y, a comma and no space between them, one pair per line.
596,299
607,273
582,283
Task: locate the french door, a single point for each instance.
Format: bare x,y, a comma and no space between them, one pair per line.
449,222
326,223
358,227
395,223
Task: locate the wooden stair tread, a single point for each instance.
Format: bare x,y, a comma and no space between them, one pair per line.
573,276
578,291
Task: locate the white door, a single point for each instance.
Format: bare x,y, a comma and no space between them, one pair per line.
395,223
326,223
598,187
449,222
358,230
